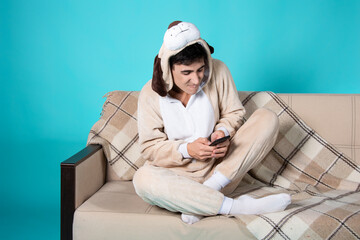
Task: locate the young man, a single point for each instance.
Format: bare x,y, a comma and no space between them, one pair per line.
190,102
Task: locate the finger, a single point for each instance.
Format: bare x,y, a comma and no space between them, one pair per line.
204,141
221,151
208,149
211,148
215,137
225,147
218,155
223,144
203,156
207,156
217,134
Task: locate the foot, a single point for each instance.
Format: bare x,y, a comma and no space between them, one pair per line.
248,205
190,219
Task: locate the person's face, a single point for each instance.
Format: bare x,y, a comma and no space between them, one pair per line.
187,78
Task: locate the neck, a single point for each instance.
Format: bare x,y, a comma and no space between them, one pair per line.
181,96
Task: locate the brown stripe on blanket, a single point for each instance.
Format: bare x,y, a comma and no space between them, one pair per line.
121,154
105,111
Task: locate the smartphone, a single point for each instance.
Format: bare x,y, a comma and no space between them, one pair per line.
220,140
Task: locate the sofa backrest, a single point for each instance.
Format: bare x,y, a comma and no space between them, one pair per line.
335,117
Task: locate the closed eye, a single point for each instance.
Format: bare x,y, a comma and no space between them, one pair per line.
186,72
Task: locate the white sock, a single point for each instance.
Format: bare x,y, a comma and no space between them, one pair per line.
248,205
190,219
217,181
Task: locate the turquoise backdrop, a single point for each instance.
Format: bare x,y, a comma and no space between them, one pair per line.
58,58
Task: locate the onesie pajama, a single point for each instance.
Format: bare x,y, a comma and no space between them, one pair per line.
170,178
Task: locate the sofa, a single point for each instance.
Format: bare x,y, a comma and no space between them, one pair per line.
98,204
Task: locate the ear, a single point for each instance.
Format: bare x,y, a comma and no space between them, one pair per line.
210,47
157,82
174,23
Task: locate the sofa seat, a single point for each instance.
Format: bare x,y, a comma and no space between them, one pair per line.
116,208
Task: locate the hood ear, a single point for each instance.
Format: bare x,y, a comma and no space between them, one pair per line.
210,48
157,82
174,23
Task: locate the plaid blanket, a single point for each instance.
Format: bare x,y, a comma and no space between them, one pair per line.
117,132
324,183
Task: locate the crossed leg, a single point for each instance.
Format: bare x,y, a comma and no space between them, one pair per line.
248,147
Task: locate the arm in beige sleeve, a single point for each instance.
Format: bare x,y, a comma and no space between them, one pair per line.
231,109
154,143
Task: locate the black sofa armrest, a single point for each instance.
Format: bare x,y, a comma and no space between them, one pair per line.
81,176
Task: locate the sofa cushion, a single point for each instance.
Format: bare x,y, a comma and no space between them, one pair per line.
116,210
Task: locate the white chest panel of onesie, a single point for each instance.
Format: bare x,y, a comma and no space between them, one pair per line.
188,123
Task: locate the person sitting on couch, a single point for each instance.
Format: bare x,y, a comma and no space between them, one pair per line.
190,102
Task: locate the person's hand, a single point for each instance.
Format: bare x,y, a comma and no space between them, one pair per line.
216,135
200,149
222,148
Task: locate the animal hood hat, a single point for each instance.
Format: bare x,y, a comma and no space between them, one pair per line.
178,36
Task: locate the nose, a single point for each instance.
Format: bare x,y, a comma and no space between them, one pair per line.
196,78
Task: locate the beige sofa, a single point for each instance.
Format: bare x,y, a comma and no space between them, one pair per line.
95,205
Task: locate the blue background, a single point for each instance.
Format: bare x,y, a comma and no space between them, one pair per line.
58,58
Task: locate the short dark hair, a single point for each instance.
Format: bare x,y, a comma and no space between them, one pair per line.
189,55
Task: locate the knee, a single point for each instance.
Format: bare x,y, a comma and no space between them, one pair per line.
269,120
141,180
